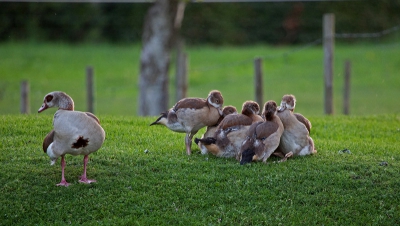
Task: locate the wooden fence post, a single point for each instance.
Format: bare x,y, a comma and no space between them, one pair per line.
89,89
25,109
346,91
258,81
181,80
329,45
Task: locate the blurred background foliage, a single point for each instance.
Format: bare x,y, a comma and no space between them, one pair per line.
274,23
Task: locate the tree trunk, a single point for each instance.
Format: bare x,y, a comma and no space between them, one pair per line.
158,38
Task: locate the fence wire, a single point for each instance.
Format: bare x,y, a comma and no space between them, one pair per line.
369,35
302,47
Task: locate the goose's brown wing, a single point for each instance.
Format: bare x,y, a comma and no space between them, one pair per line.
265,129
195,103
91,115
234,120
48,140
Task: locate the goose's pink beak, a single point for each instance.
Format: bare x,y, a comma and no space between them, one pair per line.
43,107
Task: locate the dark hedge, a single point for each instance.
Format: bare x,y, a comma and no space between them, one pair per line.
212,23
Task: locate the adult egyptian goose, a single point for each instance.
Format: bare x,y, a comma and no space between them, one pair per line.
74,132
295,139
227,110
232,131
262,137
189,115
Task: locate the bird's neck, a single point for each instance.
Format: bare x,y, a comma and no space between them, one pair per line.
65,103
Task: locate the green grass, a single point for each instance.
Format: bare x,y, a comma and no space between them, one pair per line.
48,67
167,187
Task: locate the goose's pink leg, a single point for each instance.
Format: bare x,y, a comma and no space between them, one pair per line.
188,142
83,177
63,181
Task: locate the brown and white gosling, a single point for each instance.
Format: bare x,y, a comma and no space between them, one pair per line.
227,110
296,138
189,115
232,131
262,137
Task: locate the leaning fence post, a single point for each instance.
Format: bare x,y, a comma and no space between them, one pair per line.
328,43
25,97
258,81
346,91
89,89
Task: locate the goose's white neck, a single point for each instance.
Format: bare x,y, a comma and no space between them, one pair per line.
65,102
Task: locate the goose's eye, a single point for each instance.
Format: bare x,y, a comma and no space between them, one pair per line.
217,101
49,98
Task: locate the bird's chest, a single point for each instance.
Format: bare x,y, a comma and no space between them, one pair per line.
294,139
197,118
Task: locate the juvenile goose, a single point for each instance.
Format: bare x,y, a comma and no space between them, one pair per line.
262,137
211,129
191,114
232,130
295,139
74,132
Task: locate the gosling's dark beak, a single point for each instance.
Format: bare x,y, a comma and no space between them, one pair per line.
282,107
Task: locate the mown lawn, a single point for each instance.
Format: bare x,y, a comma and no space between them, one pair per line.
51,66
166,187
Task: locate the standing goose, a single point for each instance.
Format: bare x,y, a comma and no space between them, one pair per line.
262,137
74,132
295,139
227,110
189,115
232,131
